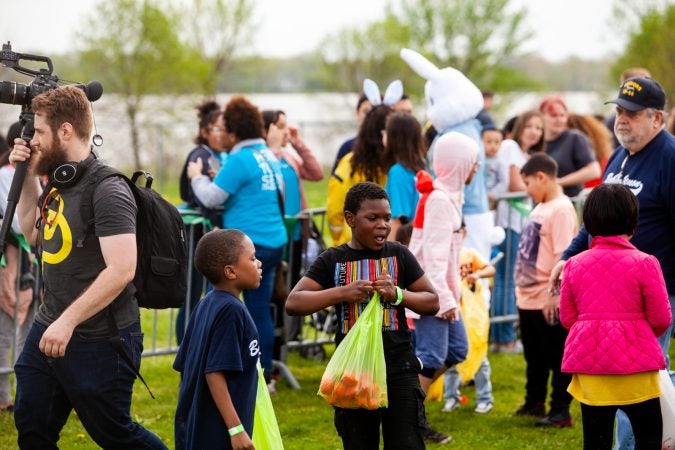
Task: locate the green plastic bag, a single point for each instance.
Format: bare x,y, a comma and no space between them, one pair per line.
522,206
266,434
356,375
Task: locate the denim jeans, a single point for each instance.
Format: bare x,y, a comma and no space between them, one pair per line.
440,343
482,380
504,292
624,433
91,378
259,303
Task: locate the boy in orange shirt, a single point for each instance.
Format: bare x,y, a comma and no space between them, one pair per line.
548,231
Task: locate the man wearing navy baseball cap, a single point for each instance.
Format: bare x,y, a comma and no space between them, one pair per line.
640,103
639,93
644,163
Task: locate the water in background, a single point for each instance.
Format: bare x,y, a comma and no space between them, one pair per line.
169,123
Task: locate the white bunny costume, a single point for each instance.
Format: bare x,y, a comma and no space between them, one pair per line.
453,102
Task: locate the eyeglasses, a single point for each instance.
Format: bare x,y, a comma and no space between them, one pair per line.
47,215
217,129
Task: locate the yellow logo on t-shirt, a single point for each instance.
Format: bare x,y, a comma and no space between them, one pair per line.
53,221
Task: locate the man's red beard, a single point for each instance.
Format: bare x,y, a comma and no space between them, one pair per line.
50,158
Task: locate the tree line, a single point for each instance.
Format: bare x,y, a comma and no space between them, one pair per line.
138,48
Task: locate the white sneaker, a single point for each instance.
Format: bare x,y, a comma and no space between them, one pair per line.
450,405
272,388
483,408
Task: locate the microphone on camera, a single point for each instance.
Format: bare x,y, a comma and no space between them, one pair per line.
93,90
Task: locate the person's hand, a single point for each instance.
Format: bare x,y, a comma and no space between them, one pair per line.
555,278
242,441
293,135
450,315
275,137
472,277
21,152
55,339
356,291
194,168
386,288
551,310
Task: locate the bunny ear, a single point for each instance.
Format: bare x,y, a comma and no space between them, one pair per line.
393,93
424,68
372,92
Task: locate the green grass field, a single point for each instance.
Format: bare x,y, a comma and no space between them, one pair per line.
306,420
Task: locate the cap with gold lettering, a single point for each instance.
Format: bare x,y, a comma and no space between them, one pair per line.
636,94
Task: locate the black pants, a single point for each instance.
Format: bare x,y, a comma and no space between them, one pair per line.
401,421
645,418
543,346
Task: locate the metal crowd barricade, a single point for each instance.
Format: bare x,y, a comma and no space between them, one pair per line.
508,200
315,330
163,321
157,324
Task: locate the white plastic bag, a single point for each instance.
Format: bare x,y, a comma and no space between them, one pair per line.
667,410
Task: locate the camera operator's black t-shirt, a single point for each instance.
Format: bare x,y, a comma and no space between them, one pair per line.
339,266
69,266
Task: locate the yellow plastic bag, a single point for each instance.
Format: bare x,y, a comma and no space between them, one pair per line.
477,324
266,435
356,375
435,392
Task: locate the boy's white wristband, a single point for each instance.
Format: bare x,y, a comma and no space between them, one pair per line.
399,296
236,430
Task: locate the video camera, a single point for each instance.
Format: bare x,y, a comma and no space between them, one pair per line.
15,93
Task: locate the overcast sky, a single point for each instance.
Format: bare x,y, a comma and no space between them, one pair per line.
562,28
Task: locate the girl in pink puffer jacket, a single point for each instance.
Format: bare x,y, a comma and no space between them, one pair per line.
613,300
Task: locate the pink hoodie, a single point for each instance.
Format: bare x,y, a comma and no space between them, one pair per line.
437,244
613,300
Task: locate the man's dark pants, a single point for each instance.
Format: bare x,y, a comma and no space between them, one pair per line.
91,378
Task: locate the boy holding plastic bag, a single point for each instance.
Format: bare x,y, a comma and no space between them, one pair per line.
219,356
349,276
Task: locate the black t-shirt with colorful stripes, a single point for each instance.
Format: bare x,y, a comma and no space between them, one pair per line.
341,265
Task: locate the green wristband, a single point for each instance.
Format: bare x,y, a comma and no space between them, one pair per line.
399,296
236,430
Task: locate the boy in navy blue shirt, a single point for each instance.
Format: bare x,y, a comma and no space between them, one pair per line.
218,356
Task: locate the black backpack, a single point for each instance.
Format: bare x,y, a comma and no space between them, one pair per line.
162,261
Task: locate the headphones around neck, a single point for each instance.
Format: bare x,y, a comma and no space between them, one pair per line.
69,173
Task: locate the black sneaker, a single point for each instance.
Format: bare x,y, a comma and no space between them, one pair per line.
431,435
531,409
558,419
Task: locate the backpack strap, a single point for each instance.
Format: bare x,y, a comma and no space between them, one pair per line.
116,340
87,203
87,214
